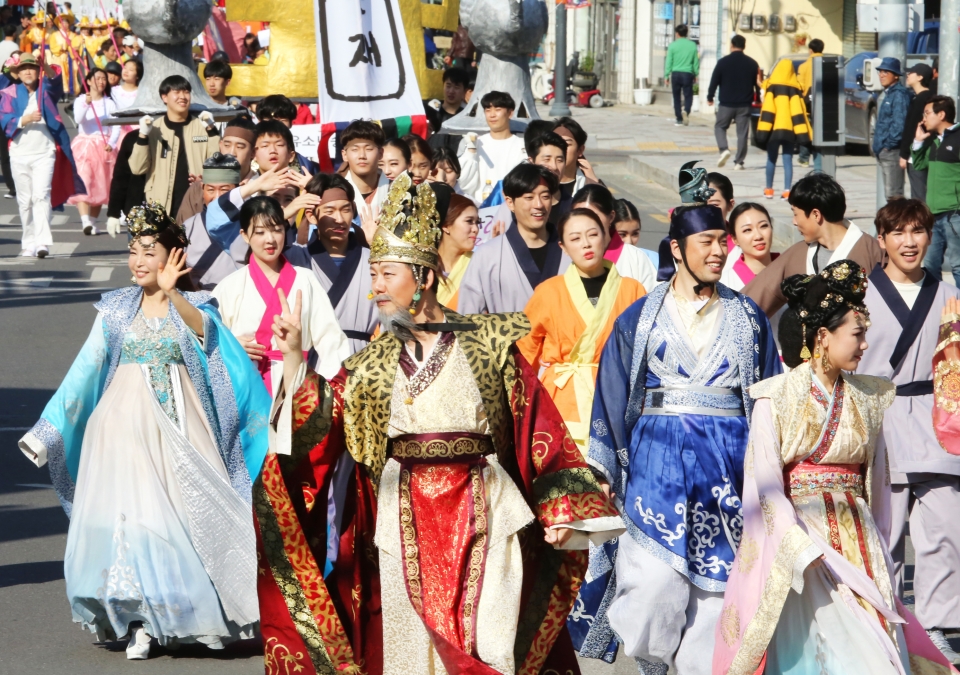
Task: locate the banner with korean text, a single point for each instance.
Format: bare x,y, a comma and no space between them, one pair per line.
364,70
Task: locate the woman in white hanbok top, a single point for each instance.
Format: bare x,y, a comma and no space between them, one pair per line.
248,298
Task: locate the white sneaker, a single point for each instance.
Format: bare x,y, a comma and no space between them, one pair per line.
686,119
939,641
724,156
138,649
42,252
738,167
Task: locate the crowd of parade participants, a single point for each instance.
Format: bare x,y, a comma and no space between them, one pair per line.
344,414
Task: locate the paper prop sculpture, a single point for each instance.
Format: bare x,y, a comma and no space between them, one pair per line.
167,28
506,32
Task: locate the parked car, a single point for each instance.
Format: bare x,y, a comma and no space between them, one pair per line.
861,104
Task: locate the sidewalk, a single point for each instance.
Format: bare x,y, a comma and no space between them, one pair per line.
655,150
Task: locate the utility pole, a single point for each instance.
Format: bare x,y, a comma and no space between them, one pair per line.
892,41
560,107
949,48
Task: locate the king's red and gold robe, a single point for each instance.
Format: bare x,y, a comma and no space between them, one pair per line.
453,468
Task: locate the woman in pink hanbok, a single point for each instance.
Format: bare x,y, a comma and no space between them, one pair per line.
811,591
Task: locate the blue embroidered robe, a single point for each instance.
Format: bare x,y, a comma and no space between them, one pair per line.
677,477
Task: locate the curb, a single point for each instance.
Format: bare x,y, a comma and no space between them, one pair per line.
638,166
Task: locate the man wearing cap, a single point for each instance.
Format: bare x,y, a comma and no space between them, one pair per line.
448,510
237,140
31,120
670,424
209,264
130,49
919,78
894,104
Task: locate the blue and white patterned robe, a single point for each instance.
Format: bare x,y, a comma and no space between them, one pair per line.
677,478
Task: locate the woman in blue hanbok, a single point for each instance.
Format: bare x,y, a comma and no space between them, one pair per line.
152,441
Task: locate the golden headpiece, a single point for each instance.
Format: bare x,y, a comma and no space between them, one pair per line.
409,225
84,22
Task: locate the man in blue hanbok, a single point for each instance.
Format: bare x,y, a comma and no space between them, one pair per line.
669,432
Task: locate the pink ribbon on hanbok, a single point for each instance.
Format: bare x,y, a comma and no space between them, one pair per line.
745,273
615,248
270,297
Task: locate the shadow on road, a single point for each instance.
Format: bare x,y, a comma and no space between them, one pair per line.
30,573
29,523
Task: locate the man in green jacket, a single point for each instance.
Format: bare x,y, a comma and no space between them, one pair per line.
683,64
936,149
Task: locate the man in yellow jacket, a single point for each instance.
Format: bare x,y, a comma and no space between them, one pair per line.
171,150
805,78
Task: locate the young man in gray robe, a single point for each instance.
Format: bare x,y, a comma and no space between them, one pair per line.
905,303
337,255
209,263
504,272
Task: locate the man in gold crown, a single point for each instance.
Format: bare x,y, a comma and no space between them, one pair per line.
425,511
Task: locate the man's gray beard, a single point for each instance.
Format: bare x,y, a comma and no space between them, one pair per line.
400,322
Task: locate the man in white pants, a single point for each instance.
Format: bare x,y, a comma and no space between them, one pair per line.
33,148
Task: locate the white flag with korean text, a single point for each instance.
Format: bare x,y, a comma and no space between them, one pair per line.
363,61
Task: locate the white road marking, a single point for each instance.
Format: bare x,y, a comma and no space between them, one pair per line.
7,219
33,282
101,274
60,219
64,249
111,262
16,262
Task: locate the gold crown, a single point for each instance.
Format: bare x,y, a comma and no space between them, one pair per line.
409,226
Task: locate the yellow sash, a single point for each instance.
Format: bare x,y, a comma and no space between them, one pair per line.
581,367
449,286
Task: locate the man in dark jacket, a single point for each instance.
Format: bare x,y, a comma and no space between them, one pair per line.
736,75
894,103
919,78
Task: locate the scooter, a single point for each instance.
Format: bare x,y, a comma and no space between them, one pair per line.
583,91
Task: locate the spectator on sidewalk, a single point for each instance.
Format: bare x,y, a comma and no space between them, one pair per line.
736,75
683,64
783,123
935,150
805,78
486,159
919,78
894,103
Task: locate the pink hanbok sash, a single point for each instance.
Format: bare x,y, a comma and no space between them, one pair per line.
270,298
615,248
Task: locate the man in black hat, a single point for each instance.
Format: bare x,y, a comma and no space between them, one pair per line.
919,78
891,116
658,395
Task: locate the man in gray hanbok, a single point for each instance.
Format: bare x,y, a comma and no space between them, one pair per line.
905,303
337,255
504,272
